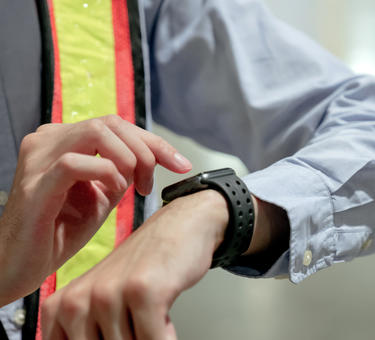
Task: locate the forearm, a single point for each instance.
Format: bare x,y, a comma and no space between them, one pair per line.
168,254
212,208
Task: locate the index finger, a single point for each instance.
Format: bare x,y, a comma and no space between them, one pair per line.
166,155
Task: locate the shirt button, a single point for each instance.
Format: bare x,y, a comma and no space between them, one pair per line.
307,258
3,198
19,317
367,244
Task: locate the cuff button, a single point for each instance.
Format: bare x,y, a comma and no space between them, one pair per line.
307,258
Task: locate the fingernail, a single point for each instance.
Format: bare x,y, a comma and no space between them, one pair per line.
182,161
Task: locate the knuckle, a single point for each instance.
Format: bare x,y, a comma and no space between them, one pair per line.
47,307
70,309
43,127
131,162
162,144
148,160
28,143
26,187
138,290
66,160
113,120
95,128
71,306
109,167
103,297
64,164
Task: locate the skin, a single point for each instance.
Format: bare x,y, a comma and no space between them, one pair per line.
62,193
130,293
147,272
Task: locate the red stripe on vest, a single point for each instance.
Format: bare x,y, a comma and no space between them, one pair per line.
57,96
125,104
47,289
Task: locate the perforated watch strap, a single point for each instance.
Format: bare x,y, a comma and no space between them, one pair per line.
241,223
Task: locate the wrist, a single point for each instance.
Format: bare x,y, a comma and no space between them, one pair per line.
213,210
240,221
271,229
217,208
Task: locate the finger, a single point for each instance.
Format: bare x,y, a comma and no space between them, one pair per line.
131,135
54,332
127,326
164,153
51,329
170,330
92,137
144,171
106,311
52,127
144,180
84,331
146,162
114,323
149,322
88,137
73,167
74,315
149,150
117,328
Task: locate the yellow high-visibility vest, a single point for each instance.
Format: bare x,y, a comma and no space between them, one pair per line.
92,66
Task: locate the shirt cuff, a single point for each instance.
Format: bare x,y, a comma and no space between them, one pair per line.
302,193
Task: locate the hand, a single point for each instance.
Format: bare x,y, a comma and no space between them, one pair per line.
62,193
129,294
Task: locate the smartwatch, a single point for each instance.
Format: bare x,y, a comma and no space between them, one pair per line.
239,231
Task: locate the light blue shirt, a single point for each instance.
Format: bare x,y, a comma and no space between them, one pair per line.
234,78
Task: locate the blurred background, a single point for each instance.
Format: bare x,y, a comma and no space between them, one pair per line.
337,303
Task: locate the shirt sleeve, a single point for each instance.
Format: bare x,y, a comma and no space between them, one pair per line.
236,79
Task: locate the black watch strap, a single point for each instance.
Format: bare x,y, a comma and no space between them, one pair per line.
241,221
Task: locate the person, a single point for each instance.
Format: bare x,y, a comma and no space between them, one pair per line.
234,78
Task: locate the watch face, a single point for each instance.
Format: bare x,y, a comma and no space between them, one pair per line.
217,173
193,184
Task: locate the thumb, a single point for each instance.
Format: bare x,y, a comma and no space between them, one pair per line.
170,330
